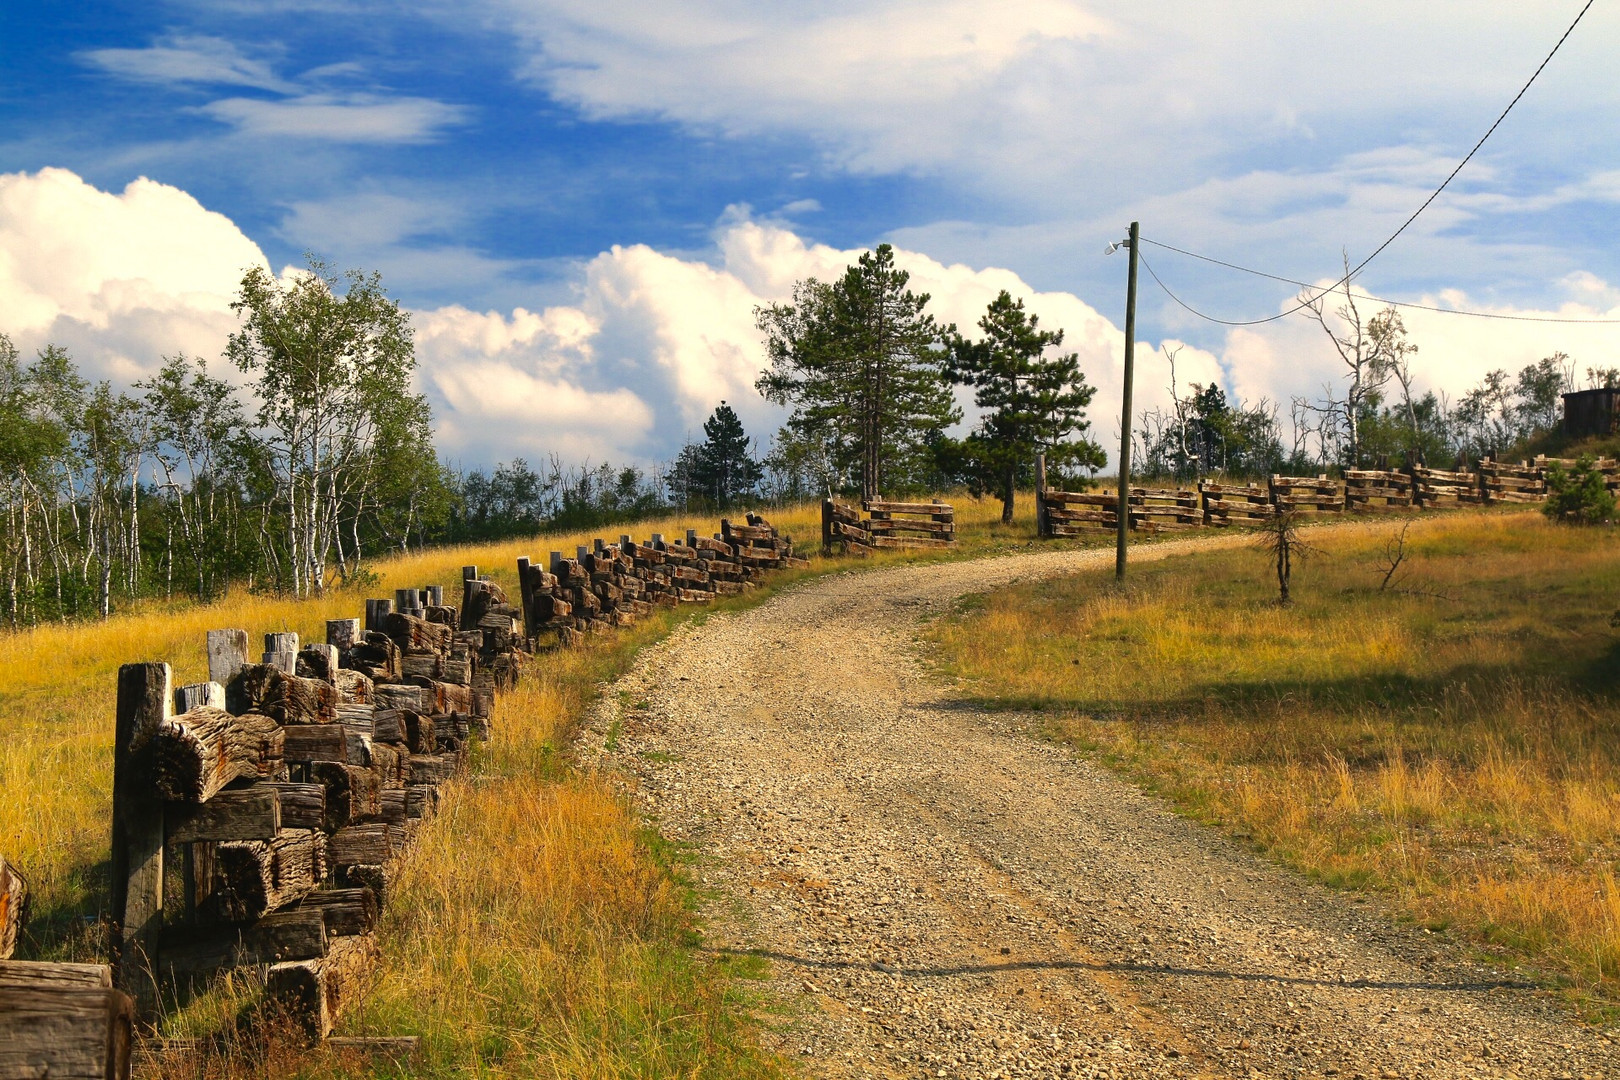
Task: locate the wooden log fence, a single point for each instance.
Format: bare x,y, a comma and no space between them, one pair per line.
1377,489
275,799
888,524
1217,504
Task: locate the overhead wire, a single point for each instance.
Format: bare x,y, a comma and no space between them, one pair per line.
1351,273
1361,295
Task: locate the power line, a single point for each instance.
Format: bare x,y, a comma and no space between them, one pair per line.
1405,224
1366,296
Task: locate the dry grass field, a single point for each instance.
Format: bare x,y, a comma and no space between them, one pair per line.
1450,741
538,929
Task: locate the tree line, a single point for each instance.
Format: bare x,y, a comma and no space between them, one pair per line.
320,455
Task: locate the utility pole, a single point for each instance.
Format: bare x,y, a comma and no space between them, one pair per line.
1125,411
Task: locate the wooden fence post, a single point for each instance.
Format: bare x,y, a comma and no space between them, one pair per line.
1040,496
227,654
144,697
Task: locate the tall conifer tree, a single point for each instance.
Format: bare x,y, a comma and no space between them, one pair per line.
1032,402
860,363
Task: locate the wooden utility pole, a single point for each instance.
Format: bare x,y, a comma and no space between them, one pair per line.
1125,411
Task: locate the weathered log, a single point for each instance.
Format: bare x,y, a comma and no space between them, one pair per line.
65,1032
377,877
346,911
388,726
318,662
252,878
421,801
343,633
421,733
34,973
305,743
227,654
303,806
286,699
430,666
417,636
353,687
391,765
250,813
13,907
145,695
361,845
197,754
401,696
433,768
376,657
352,793
315,991
196,695
279,937
394,800
458,671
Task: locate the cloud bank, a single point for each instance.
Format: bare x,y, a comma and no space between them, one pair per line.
649,341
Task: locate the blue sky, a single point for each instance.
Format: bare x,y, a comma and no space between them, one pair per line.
582,205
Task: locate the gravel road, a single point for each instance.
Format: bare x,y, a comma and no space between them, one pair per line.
942,894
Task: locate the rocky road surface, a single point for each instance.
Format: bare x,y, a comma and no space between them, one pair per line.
941,894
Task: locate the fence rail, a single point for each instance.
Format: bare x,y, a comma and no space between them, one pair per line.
887,524
1217,505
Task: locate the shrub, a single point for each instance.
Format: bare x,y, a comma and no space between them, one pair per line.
1579,495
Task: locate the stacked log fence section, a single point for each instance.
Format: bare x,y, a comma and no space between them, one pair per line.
1371,490
1160,510
258,816
608,585
842,530
1500,482
1307,495
1609,467
1437,489
1077,513
1226,505
887,524
911,524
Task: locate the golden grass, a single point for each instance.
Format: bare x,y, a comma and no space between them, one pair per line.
538,930
1453,743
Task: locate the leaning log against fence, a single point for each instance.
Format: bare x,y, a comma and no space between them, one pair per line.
842,530
13,907
1306,495
1234,504
1377,489
64,1020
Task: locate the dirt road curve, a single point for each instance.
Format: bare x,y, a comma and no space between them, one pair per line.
942,894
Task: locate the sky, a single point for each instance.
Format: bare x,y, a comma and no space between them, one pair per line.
582,204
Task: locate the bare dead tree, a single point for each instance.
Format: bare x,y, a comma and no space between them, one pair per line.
1279,537
1352,337
1393,558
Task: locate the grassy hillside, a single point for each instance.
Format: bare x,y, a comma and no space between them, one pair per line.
538,929
1451,740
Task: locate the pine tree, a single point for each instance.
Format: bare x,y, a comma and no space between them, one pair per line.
859,361
722,469
1033,403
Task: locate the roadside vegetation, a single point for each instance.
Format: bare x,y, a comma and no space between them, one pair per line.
538,929
1445,732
